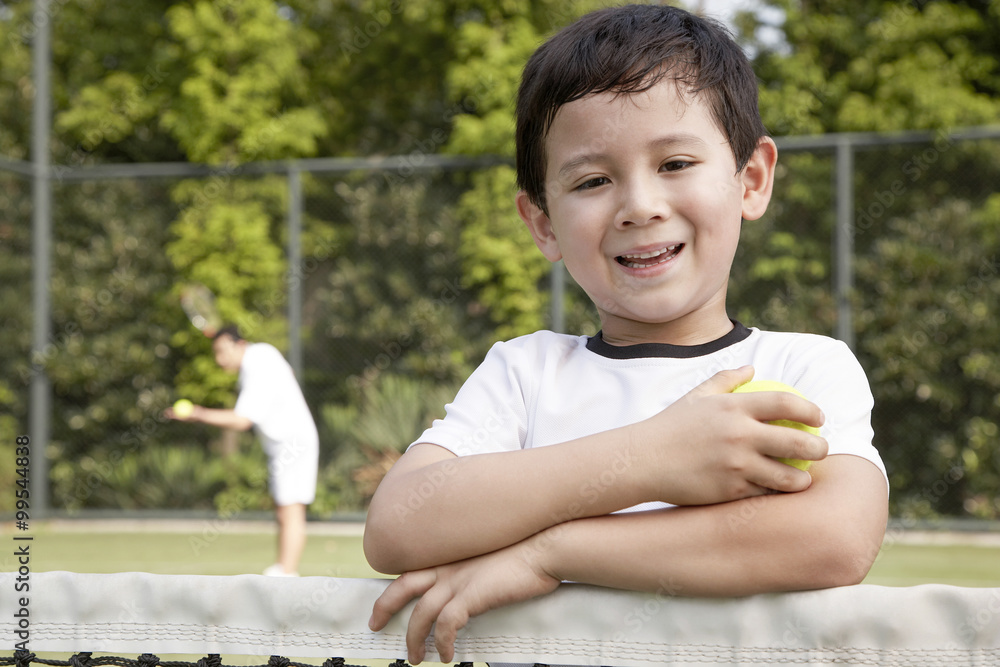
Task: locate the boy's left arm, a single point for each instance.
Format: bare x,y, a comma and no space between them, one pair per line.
825,536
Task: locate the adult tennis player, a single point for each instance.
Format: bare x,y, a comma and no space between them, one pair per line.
270,401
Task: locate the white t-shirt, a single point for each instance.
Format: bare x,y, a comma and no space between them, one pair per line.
270,397
547,388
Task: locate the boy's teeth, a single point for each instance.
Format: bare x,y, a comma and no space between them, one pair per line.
648,255
633,261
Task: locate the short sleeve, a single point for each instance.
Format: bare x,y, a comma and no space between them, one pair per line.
831,377
489,413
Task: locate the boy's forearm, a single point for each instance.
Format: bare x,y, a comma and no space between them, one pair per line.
460,507
825,536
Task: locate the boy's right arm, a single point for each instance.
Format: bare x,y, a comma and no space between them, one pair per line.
708,447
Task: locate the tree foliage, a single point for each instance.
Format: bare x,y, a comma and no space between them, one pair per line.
932,338
226,84
878,66
499,257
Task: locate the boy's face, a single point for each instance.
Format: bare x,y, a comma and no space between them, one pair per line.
645,209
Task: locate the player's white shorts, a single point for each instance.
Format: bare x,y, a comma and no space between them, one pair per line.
292,469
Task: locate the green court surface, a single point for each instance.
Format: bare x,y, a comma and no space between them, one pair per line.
217,546
209,546
974,565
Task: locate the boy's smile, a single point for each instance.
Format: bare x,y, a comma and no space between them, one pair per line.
645,209
646,259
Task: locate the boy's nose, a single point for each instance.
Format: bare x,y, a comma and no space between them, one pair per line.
644,200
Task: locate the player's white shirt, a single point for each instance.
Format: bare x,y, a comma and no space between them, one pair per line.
547,388
270,397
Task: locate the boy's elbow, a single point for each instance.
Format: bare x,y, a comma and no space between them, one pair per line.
379,560
848,561
849,569
377,551
382,545
850,521
862,557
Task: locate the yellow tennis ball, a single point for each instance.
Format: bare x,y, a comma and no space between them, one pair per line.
183,408
772,385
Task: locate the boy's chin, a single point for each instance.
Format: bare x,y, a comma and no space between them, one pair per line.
693,327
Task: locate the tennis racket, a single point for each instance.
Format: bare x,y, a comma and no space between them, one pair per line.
198,303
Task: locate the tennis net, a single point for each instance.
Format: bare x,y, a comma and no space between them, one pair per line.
325,618
25,658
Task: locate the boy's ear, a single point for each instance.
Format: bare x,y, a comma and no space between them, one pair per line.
758,179
540,227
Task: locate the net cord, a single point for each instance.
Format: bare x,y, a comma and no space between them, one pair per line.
319,617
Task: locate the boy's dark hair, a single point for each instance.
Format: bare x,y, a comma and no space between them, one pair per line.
230,331
628,50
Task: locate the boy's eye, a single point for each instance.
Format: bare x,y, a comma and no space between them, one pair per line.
675,165
592,183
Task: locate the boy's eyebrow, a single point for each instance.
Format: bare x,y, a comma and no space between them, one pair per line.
680,140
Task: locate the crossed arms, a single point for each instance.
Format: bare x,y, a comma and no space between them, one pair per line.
477,532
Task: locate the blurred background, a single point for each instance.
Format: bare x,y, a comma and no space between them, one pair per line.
339,173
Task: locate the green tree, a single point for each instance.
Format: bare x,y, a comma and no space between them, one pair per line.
878,66
110,361
210,83
923,225
499,257
226,84
932,349
15,320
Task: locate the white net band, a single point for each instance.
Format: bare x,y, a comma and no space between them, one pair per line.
322,617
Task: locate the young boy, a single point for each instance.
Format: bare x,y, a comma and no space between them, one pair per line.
624,460
271,402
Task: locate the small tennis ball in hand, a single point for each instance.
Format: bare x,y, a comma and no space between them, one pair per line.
183,408
772,385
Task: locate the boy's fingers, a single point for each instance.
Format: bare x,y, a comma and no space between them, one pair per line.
779,405
796,444
724,382
785,442
779,476
426,615
397,595
452,618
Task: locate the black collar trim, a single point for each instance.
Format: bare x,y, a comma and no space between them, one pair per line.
597,345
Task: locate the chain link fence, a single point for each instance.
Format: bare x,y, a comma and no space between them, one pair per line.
890,243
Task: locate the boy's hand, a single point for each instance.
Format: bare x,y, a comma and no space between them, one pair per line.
452,594
713,446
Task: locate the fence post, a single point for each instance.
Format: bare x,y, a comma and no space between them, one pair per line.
843,245
295,269
40,408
